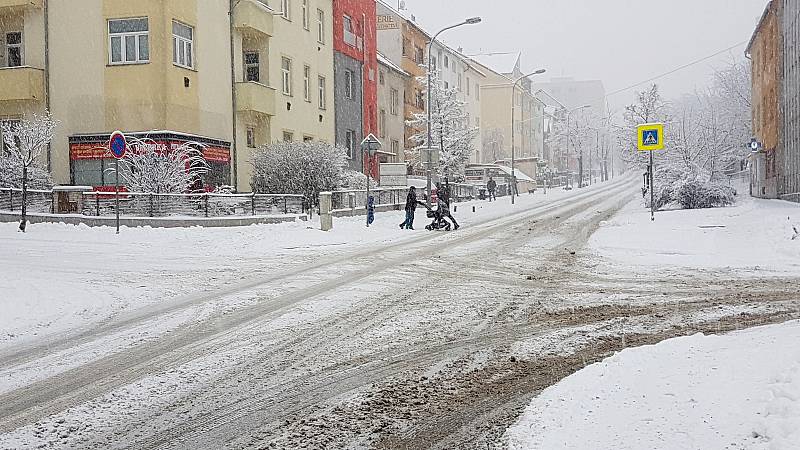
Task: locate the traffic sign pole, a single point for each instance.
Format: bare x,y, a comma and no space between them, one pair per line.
652,189
118,146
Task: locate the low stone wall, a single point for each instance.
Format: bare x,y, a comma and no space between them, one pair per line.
155,222
362,211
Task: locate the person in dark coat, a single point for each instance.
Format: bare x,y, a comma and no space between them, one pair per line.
443,211
411,208
491,186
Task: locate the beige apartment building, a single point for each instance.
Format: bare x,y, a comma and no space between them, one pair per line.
170,70
500,71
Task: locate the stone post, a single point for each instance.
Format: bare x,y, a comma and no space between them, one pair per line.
325,216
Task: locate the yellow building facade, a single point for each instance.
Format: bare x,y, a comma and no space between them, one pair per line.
169,70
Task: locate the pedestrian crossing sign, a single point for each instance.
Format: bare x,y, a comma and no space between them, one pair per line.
651,136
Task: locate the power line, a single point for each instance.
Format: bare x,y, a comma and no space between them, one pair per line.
678,69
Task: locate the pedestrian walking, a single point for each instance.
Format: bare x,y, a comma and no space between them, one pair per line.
491,186
411,209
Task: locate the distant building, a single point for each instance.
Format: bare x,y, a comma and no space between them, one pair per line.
499,71
404,43
355,70
574,93
773,50
392,81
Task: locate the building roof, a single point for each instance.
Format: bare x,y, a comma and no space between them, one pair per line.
503,63
382,59
409,18
758,28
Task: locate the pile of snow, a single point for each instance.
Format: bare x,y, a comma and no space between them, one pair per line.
738,391
755,236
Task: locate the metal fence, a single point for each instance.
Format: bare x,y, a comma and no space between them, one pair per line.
131,204
192,205
39,201
354,199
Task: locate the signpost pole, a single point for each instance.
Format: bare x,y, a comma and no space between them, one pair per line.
116,192
652,190
369,161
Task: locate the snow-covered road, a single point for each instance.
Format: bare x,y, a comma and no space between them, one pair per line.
375,339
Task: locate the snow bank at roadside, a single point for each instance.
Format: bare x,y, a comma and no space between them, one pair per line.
737,391
754,236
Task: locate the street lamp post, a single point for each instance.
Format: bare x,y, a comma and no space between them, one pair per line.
470,21
569,131
514,190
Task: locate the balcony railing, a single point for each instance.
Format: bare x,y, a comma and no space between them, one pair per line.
21,84
256,98
254,17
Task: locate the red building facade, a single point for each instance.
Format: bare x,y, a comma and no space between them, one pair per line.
355,36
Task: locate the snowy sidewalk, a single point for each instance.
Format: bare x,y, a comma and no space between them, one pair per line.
753,237
739,391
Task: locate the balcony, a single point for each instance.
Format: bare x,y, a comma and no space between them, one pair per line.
21,84
255,98
14,5
253,17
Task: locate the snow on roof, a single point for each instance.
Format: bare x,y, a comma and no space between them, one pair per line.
503,63
521,176
382,59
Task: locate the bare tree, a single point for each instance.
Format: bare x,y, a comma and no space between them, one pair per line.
26,142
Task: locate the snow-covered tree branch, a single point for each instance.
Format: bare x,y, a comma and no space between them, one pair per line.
450,129
26,141
150,167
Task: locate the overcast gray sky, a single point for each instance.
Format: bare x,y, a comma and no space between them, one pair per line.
621,42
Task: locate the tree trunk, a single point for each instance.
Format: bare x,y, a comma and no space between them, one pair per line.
23,223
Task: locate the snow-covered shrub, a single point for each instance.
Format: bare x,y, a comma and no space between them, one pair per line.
356,180
148,167
224,189
695,194
306,168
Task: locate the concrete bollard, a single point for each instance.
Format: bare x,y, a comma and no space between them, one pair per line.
325,216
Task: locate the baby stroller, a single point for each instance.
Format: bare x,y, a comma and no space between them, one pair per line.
439,222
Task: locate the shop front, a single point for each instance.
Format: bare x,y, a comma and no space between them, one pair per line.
91,163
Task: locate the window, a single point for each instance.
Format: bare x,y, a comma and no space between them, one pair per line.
305,14
13,123
128,41
251,138
349,34
348,84
320,26
286,72
446,62
434,63
286,12
350,143
420,100
288,136
182,47
382,123
407,47
394,101
307,83
14,49
252,68
308,138
468,87
446,85
477,92
321,83
459,82
382,77
396,148
419,55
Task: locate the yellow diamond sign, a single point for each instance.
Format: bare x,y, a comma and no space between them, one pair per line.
651,136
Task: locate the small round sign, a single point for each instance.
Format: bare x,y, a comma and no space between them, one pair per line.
118,144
